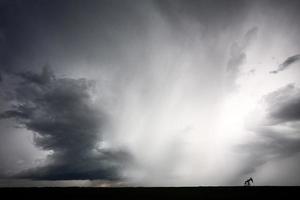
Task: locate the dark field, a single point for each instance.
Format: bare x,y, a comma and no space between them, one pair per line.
153,193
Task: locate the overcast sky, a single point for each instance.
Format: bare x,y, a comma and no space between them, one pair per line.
149,93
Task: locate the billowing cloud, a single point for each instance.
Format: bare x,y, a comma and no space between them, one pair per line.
65,122
159,69
287,63
284,104
277,132
39,79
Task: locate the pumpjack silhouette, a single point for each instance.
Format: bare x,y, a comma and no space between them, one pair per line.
248,182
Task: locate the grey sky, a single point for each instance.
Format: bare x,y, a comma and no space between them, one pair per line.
150,93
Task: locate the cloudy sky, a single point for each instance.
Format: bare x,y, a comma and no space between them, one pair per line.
149,93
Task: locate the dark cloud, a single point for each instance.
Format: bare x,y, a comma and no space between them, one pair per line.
287,63
104,165
283,105
275,144
238,56
45,77
282,108
146,57
12,114
65,121
271,145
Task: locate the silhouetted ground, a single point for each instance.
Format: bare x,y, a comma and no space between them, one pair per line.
153,193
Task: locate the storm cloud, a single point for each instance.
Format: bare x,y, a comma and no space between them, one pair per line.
277,131
61,114
284,104
148,93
